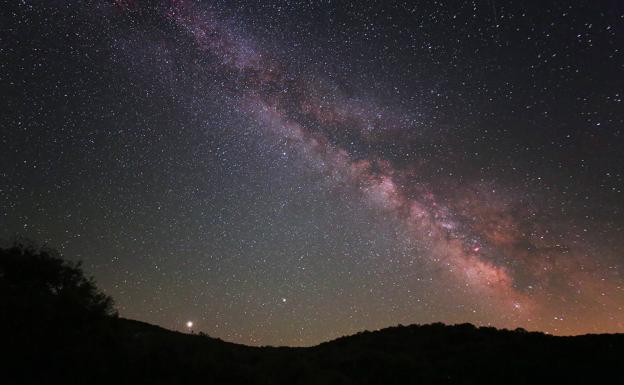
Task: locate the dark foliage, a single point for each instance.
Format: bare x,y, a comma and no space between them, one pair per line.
50,313
39,280
58,328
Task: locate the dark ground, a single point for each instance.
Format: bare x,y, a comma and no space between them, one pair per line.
125,351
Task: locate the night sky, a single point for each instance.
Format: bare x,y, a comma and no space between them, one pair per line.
289,172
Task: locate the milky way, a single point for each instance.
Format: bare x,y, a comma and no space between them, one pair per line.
315,203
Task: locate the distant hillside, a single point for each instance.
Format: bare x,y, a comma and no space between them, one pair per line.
57,328
131,352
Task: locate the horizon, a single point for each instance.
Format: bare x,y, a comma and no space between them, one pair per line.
287,173
200,333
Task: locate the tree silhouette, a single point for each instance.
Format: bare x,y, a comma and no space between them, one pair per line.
37,285
51,314
44,298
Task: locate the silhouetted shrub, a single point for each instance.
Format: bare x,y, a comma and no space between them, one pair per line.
37,285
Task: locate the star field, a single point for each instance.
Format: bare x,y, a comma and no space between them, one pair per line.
289,172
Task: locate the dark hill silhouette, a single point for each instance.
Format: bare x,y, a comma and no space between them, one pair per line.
56,327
